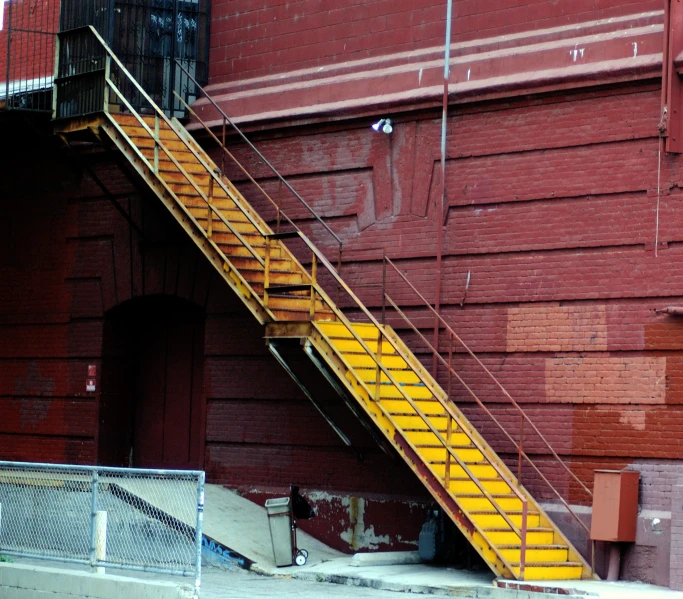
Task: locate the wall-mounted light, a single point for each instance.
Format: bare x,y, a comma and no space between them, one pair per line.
384,126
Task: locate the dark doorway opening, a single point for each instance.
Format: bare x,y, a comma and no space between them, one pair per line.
152,406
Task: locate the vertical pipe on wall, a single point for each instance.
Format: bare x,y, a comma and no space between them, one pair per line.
440,216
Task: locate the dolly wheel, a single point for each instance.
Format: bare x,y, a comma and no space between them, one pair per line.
304,552
300,559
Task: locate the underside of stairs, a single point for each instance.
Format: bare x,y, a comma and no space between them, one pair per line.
367,361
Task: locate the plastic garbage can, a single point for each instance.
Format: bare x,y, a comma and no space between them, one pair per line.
280,521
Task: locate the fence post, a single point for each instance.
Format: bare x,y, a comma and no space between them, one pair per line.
93,518
198,533
100,540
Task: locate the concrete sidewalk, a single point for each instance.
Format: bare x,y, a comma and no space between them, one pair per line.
376,582
431,579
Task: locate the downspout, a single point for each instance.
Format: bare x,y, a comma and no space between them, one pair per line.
441,213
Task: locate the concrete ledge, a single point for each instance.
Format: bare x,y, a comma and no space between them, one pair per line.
385,558
19,581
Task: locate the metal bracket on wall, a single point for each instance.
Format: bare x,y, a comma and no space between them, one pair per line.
307,393
349,401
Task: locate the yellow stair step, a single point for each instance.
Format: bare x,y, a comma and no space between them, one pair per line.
477,501
457,439
466,485
504,536
414,422
390,391
550,571
363,360
349,346
535,553
340,330
494,519
438,454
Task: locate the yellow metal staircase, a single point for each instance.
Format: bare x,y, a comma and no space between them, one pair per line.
463,474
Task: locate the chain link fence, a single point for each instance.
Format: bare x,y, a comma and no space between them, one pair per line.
148,520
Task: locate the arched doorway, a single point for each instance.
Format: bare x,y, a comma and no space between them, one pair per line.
152,405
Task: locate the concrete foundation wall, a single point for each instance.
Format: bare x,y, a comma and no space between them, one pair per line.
19,581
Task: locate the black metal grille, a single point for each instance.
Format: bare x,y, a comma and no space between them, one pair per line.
27,51
148,36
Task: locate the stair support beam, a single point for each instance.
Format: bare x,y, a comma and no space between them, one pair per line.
340,433
191,227
182,170
349,373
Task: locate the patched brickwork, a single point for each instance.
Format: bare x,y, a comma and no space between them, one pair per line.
557,328
607,380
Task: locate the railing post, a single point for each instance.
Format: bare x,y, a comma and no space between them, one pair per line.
223,153
450,366
198,534
93,517
447,474
384,286
266,273
378,354
156,142
107,77
520,449
209,226
314,273
522,548
339,267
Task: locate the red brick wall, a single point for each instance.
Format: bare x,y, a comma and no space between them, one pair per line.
551,215
249,41
32,42
551,211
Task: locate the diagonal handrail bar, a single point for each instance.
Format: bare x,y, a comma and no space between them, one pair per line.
486,410
161,115
491,375
280,212
377,359
228,120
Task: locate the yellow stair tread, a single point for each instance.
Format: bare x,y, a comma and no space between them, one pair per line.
534,546
548,564
504,529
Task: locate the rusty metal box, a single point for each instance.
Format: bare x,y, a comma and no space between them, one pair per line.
615,505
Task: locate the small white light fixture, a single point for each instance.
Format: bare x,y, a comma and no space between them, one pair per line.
384,125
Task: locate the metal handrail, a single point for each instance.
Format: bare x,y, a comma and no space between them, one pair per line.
523,414
158,142
439,357
228,120
444,403
280,212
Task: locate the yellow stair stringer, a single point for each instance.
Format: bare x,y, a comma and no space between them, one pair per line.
573,567
546,521
172,200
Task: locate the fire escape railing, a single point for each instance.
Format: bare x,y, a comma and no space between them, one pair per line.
518,444
280,215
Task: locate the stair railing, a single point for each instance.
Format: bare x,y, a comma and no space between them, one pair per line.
317,292
101,79
226,120
452,373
